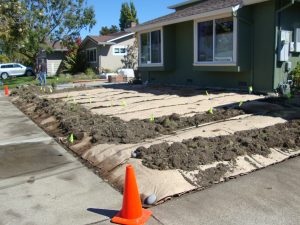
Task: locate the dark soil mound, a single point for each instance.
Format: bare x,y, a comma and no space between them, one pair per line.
76,119
191,153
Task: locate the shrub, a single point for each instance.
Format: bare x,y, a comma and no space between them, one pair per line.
90,72
296,75
4,59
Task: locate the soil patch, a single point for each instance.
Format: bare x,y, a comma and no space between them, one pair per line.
73,118
191,153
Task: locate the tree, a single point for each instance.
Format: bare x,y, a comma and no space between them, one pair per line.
109,30
75,60
128,15
131,58
41,21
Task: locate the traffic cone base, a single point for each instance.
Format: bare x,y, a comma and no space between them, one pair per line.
132,212
139,221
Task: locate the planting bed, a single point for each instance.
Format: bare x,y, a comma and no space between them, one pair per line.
175,144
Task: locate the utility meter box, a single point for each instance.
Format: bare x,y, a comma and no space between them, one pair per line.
284,46
297,39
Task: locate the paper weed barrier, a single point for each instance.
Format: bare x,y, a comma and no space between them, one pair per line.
111,159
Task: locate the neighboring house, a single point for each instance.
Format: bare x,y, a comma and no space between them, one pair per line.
105,52
229,44
53,58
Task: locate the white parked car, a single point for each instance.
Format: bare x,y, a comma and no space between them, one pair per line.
14,69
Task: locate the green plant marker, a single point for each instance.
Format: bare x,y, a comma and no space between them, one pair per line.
250,89
123,103
210,111
241,103
57,78
71,138
151,118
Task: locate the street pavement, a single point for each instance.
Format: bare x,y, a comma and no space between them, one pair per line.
42,183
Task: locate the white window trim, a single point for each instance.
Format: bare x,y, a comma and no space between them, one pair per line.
119,54
220,63
89,49
161,50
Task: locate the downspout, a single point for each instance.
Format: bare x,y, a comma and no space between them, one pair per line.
278,28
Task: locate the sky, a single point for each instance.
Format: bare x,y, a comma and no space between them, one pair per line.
108,12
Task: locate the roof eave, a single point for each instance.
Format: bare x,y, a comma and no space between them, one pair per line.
180,20
123,36
182,4
192,17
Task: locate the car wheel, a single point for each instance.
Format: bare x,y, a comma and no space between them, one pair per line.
29,73
4,76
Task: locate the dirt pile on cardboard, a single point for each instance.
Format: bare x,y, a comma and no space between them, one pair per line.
191,153
76,119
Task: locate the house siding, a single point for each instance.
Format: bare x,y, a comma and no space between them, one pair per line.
110,61
255,55
94,65
288,20
54,62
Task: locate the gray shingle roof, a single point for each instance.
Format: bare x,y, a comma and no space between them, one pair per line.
197,8
106,38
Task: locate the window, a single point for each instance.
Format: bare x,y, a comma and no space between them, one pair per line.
151,47
17,66
215,41
8,66
91,55
119,50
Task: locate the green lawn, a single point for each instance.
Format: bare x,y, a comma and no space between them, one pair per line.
15,81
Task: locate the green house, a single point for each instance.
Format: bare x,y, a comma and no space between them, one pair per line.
227,44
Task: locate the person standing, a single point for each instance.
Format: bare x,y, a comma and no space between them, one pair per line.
43,73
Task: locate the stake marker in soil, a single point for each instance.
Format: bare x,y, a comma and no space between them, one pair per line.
250,89
210,111
152,118
241,103
123,103
71,138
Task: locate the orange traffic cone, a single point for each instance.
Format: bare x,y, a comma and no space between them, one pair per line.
6,91
132,212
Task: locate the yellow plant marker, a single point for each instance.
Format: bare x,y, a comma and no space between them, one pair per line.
50,90
210,111
41,89
111,104
71,138
207,93
74,100
151,118
123,103
250,89
57,78
44,89
90,101
241,103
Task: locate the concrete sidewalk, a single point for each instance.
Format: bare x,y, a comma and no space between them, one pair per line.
41,183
